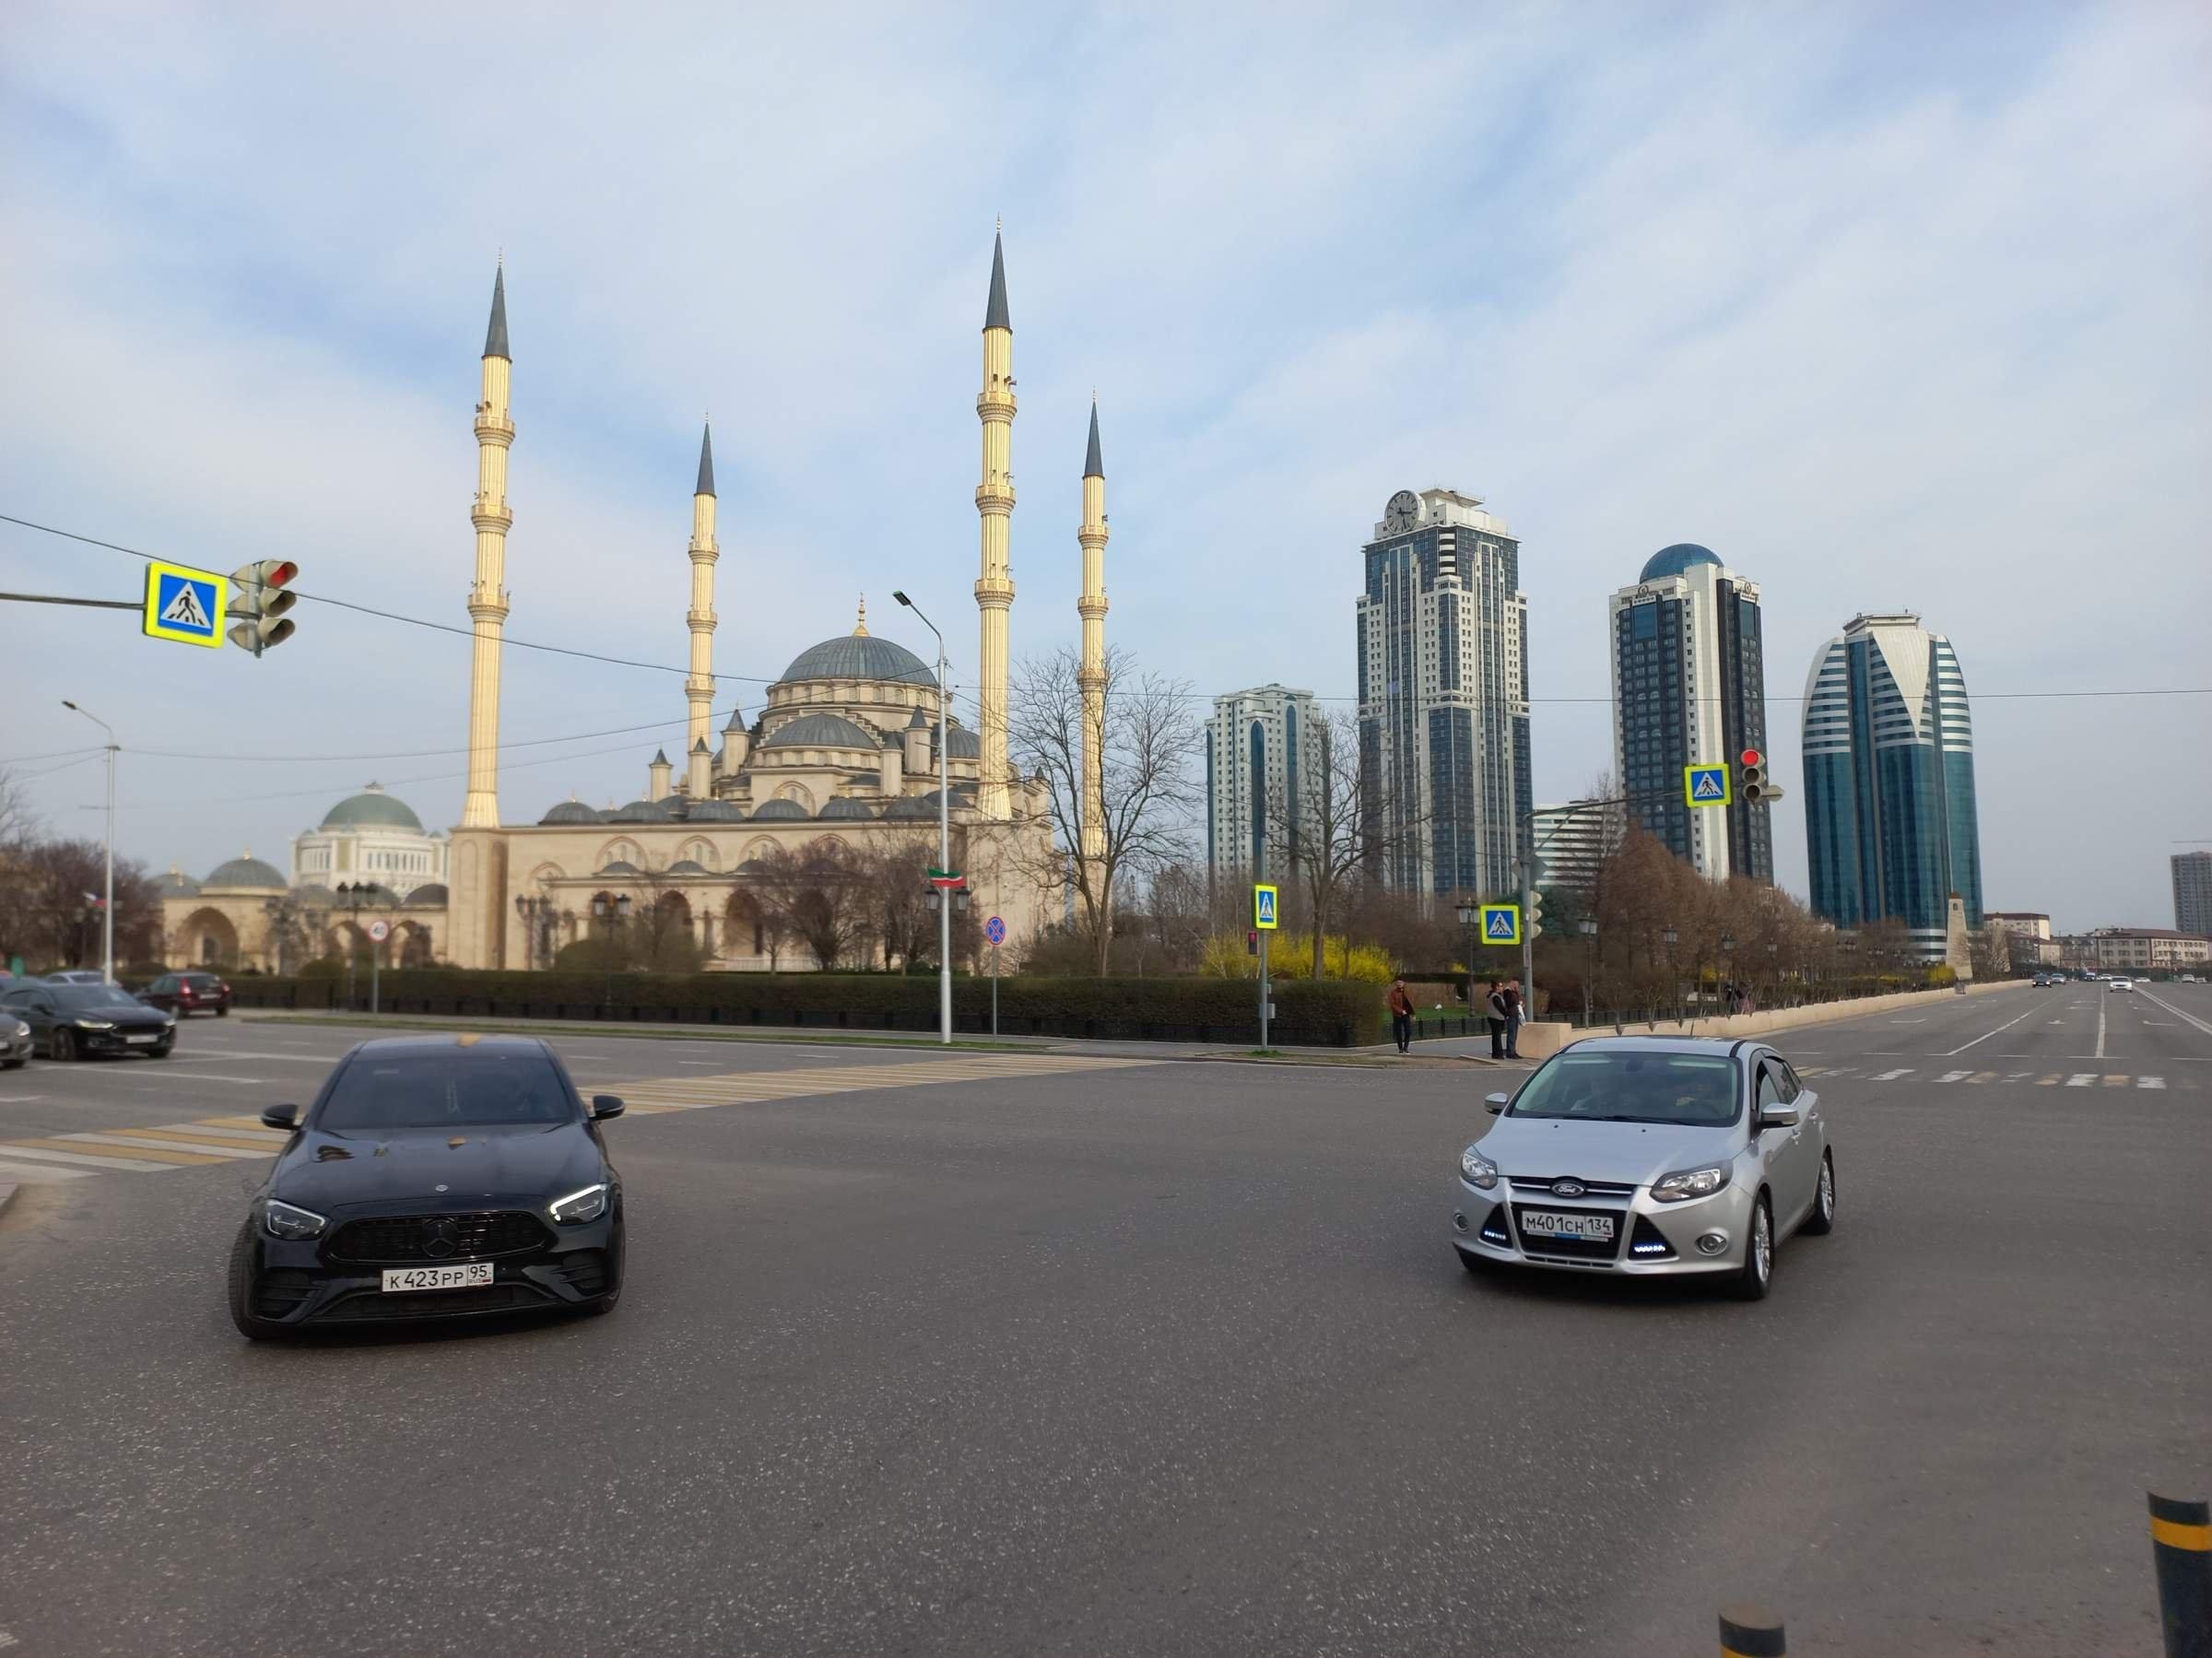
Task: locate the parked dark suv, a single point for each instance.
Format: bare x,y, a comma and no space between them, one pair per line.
183,993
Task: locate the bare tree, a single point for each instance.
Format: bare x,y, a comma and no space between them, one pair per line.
894,874
816,895
288,931
1335,830
1146,743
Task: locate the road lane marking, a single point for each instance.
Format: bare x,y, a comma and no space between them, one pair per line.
2116,1082
1893,1076
2007,1025
235,1137
92,1142
42,1174
1984,1076
2016,1076
2081,1080
16,1148
2178,1012
252,1082
2044,1082
2150,1082
221,1054
1953,1076
2100,1053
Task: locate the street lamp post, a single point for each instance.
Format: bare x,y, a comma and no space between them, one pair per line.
944,827
107,929
1470,912
536,916
1587,927
1727,952
612,913
355,894
1672,938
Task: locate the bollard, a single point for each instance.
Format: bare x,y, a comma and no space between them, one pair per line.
1751,1632
2181,1547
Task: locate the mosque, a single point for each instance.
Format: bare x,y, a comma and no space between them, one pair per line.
847,748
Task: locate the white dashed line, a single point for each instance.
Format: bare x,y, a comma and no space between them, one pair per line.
1893,1076
2150,1082
2081,1080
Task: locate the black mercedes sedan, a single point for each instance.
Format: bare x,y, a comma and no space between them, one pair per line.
68,1021
433,1177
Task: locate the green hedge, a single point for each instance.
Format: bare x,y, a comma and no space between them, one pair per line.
1326,1014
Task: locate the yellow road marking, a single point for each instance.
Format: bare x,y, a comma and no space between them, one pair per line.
2045,1082
193,1136
135,1154
237,1123
2114,1082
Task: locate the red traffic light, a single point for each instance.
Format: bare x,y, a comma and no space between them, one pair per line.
1751,756
279,572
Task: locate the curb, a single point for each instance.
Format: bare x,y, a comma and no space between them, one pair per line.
7,1195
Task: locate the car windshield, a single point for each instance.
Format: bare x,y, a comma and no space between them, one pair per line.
92,995
446,1090
1697,1088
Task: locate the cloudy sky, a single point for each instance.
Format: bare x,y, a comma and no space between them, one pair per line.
1890,305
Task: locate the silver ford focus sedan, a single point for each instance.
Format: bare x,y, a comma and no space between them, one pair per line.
1649,1156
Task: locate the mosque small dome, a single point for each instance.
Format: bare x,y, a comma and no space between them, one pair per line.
620,866
244,871
770,809
820,731
573,811
432,896
687,867
845,806
643,811
913,805
714,811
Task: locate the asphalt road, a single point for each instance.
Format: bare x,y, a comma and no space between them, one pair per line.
982,1355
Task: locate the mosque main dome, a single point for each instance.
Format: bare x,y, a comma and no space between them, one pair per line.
860,656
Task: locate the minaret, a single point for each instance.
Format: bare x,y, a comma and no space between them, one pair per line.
1091,677
995,503
487,598
699,686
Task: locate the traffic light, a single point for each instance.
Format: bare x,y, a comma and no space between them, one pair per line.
1751,785
1532,915
258,604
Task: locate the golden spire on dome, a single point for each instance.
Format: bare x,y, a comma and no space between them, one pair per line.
860,628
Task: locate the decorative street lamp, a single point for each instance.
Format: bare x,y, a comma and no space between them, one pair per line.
1674,938
1470,915
354,895
536,916
611,912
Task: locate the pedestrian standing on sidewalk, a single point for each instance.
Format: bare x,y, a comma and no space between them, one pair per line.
1496,1017
1514,1013
1401,1015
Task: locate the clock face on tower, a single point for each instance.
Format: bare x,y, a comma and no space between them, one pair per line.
1403,509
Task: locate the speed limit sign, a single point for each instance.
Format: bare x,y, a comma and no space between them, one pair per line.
379,931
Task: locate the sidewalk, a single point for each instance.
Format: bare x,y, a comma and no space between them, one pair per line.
1444,1050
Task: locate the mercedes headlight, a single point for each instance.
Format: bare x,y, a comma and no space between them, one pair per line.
1685,1183
580,1207
284,1220
1477,1170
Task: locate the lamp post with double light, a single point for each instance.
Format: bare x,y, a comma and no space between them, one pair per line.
1470,916
1672,938
354,895
944,827
610,913
1587,927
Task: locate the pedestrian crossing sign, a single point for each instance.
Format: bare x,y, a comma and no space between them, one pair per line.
184,605
1263,909
1502,923
1706,786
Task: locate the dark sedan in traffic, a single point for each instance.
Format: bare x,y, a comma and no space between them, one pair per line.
70,1020
433,1177
183,993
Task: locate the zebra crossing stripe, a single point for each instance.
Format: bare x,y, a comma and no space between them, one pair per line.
1893,1076
35,1174
1953,1076
2116,1082
2045,1082
2081,1080
2150,1082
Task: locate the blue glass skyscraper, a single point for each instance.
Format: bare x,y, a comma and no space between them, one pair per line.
1889,818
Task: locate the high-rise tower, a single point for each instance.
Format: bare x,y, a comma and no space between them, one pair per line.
1890,825
1443,695
699,685
1091,677
488,597
994,505
1689,688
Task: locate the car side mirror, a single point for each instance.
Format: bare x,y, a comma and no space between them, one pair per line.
1778,1116
1495,1104
286,1117
605,1106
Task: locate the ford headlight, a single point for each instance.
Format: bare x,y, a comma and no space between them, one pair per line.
284,1220
1477,1170
1685,1183
580,1207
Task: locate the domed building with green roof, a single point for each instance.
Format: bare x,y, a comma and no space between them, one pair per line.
372,837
